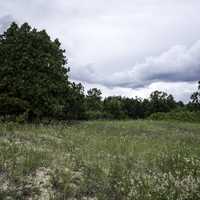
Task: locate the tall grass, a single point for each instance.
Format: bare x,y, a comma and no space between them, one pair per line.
119,160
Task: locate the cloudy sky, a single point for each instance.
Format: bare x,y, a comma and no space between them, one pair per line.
129,47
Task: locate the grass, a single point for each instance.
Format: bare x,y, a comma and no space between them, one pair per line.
104,160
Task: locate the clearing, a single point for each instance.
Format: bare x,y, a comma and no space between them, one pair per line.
104,160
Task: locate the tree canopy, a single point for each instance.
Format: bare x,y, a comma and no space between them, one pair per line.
33,73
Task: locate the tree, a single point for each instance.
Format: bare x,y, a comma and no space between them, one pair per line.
161,102
113,107
133,107
75,107
146,106
195,97
93,99
32,71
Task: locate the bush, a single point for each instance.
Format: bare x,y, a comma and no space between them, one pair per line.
177,115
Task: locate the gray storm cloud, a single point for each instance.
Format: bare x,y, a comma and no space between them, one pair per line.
5,22
178,64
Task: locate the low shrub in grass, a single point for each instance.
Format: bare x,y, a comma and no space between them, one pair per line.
186,116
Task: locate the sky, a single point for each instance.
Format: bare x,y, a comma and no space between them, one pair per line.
128,48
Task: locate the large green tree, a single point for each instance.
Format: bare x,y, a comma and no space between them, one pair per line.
33,73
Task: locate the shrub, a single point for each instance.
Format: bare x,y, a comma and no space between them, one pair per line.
177,115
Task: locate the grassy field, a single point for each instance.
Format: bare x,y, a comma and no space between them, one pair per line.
104,160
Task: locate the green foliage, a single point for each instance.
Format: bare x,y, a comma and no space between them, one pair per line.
194,105
134,108
184,115
94,115
117,107
12,106
161,102
113,106
32,70
93,100
75,105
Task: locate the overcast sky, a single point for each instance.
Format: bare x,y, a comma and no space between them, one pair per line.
129,47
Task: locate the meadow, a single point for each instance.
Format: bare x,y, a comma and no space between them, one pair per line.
100,160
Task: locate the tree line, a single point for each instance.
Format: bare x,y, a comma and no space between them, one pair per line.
34,84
